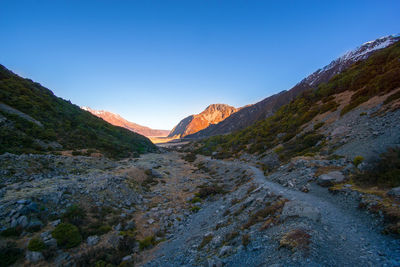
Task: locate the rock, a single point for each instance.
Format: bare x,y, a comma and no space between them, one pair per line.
300,209
394,192
51,243
34,225
22,221
92,240
150,221
55,223
33,256
225,250
118,227
330,178
130,225
127,258
214,262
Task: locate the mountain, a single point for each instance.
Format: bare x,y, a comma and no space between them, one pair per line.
34,120
265,108
213,114
117,120
356,112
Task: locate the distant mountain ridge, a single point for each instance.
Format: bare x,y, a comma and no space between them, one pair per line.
213,114
265,108
117,120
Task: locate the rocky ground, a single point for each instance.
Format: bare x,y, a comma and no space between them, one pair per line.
175,208
169,209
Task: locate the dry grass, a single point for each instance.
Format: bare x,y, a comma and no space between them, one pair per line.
295,239
326,169
271,209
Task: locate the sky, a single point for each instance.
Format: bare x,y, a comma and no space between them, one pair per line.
156,62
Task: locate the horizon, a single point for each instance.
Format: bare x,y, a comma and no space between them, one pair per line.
144,58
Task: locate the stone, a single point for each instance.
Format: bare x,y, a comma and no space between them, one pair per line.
130,225
225,250
214,262
33,256
127,258
330,178
300,209
22,221
394,192
150,221
34,225
55,223
118,227
51,243
92,240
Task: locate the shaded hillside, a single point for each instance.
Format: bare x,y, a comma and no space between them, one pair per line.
265,108
213,114
33,119
117,120
378,76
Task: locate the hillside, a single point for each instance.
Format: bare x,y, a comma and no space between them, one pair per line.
213,114
300,127
117,120
265,108
34,120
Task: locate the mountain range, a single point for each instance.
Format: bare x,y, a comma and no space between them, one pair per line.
252,113
117,120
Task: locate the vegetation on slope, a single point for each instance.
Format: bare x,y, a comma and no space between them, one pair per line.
62,121
377,75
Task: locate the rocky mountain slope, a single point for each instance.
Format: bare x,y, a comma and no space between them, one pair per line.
298,128
117,120
213,114
33,119
265,108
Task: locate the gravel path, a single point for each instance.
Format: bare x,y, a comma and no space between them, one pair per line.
342,237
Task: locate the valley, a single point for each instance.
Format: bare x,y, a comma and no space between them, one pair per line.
306,177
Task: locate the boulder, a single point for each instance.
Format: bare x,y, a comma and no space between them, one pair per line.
92,240
33,256
225,250
394,192
330,178
300,209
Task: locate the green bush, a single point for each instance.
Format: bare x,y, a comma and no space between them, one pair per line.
357,160
9,254
147,242
67,235
11,232
386,172
74,215
36,244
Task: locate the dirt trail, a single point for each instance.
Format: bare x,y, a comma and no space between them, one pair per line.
344,236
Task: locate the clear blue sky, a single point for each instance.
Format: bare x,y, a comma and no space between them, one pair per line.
155,62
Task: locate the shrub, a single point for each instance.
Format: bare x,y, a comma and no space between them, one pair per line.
11,232
36,244
245,239
9,254
194,209
318,125
386,172
297,238
147,242
206,191
74,215
67,235
357,160
206,239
